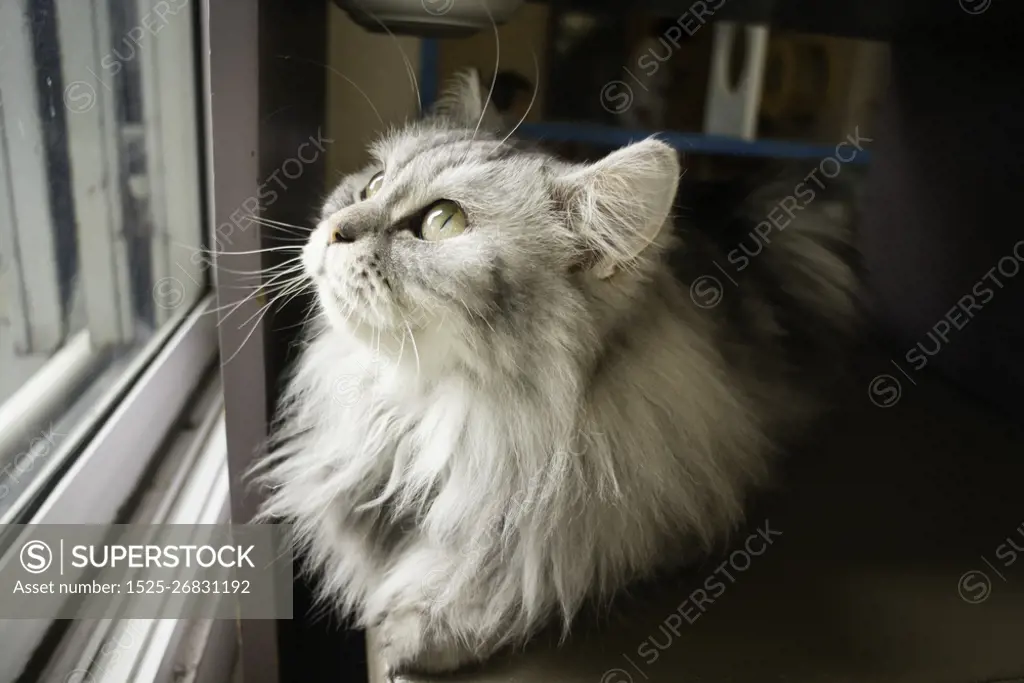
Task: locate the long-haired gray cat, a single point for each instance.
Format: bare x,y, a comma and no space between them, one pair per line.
512,404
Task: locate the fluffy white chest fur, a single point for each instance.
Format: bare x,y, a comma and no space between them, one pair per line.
485,507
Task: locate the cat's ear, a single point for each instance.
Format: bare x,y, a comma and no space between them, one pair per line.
620,204
462,103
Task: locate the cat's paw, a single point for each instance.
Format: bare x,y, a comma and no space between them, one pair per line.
406,649
401,637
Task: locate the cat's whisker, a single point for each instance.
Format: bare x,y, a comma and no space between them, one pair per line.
186,247
306,319
285,287
291,232
284,268
252,288
265,250
269,222
288,233
272,221
275,298
287,230
409,70
256,281
261,309
291,264
483,318
295,291
315,313
221,240
288,237
247,337
207,256
497,65
473,316
254,293
376,351
415,350
533,99
236,305
346,309
301,324
342,76
401,347
270,270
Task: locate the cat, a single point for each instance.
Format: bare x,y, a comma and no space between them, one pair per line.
510,404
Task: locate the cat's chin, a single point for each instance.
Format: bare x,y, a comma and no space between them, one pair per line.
356,323
384,315
372,329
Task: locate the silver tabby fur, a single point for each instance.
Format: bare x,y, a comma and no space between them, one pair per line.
485,432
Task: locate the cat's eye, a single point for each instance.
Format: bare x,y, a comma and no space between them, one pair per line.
443,220
373,186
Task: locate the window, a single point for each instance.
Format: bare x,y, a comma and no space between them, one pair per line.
104,335
99,207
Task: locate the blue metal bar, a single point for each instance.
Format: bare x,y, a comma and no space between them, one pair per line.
429,67
692,143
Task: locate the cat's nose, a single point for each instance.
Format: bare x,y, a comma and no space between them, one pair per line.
351,223
341,235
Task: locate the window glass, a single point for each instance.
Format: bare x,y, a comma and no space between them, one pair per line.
100,211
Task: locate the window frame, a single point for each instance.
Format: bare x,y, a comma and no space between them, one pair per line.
127,428
261,54
231,49
248,131
126,443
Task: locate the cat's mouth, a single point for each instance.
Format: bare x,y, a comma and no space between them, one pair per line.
366,302
361,290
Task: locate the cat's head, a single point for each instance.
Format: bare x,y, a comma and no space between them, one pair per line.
454,233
